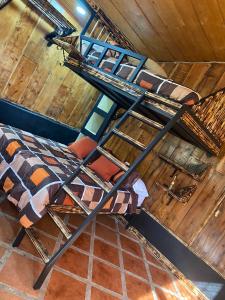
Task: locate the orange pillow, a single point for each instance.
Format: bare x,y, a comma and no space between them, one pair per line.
117,176
82,147
104,168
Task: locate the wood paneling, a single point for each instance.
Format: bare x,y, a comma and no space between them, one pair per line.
32,74
190,222
171,30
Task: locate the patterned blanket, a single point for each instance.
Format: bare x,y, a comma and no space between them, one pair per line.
33,168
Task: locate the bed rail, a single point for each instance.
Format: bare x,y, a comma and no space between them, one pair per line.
211,111
123,53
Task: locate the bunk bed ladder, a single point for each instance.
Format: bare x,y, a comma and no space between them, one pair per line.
90,214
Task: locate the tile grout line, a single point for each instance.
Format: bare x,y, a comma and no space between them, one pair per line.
150,281
11,290
9,250
47,280
122,270
85,281
90,263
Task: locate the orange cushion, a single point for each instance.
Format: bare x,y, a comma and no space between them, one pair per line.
145,84
82,147
104,168
117,176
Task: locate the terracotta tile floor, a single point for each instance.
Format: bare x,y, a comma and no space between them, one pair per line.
106,263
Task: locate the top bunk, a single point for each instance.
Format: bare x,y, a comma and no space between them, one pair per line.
121,74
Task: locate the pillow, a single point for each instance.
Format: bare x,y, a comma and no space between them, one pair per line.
82,147
104,168
155,68
117,176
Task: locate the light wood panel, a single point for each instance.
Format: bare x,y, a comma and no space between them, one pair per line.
32,74
190,222
171,30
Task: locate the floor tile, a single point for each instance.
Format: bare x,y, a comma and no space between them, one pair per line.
21,272
83,242
162,295
28,246
63,287
76,220
74,262
47,225
134,265
107,220
8,229
106,252
137,289
99,295
162,278
107,276
8,296
106,233
130,246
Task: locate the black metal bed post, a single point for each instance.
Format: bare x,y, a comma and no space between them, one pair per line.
19,237
90,217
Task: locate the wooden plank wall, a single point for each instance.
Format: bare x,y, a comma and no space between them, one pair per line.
171,30
200,223
32,74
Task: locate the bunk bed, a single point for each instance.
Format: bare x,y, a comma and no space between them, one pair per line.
31,158
121,75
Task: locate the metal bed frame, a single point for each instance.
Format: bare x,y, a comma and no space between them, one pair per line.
124,92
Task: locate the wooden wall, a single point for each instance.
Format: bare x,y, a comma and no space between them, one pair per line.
200,223
32,74
171,30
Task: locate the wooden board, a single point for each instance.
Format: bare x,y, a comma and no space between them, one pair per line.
32,74
171,30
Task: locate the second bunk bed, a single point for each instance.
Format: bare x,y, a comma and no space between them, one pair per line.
121,75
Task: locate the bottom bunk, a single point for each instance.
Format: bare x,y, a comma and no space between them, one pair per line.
33,168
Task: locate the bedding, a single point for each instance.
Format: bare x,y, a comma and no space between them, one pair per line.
32,169
145,78
154,83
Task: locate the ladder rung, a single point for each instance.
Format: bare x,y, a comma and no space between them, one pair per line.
95,178
112,158
129,139
60,223
38,245
146,120
77,200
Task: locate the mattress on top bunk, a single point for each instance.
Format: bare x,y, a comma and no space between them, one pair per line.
33,168
145,78
152,82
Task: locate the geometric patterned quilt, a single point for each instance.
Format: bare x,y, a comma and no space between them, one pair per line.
33,168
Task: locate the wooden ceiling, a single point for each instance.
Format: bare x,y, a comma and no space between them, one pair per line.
170,30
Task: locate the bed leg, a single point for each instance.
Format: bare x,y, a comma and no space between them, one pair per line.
19,237
43,275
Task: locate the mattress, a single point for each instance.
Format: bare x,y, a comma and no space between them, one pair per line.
152,82
33,168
